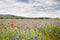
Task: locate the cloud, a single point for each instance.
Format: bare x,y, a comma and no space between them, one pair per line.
30,8
25,1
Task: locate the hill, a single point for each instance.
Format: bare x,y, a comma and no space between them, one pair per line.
19,17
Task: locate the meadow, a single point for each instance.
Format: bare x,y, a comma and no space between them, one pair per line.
29,29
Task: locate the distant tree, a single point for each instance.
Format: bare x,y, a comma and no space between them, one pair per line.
57,18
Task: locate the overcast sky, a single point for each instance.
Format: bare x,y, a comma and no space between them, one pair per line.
31,8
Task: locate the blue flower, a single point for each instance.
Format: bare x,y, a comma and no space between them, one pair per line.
37,26
15,38
36,38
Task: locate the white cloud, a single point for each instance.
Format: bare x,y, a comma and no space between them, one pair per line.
38,8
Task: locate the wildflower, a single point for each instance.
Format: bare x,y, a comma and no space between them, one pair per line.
26,27
12,24
0,28
15,38
37,26
36,38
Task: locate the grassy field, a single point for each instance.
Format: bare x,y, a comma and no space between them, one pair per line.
29,29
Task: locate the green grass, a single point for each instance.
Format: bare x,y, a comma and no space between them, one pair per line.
49,32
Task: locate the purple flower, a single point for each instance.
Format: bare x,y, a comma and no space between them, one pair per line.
36,38
26,27
37,26
15,38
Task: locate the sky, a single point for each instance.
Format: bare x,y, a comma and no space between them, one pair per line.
31,8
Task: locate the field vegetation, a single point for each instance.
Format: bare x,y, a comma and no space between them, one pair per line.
29,29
